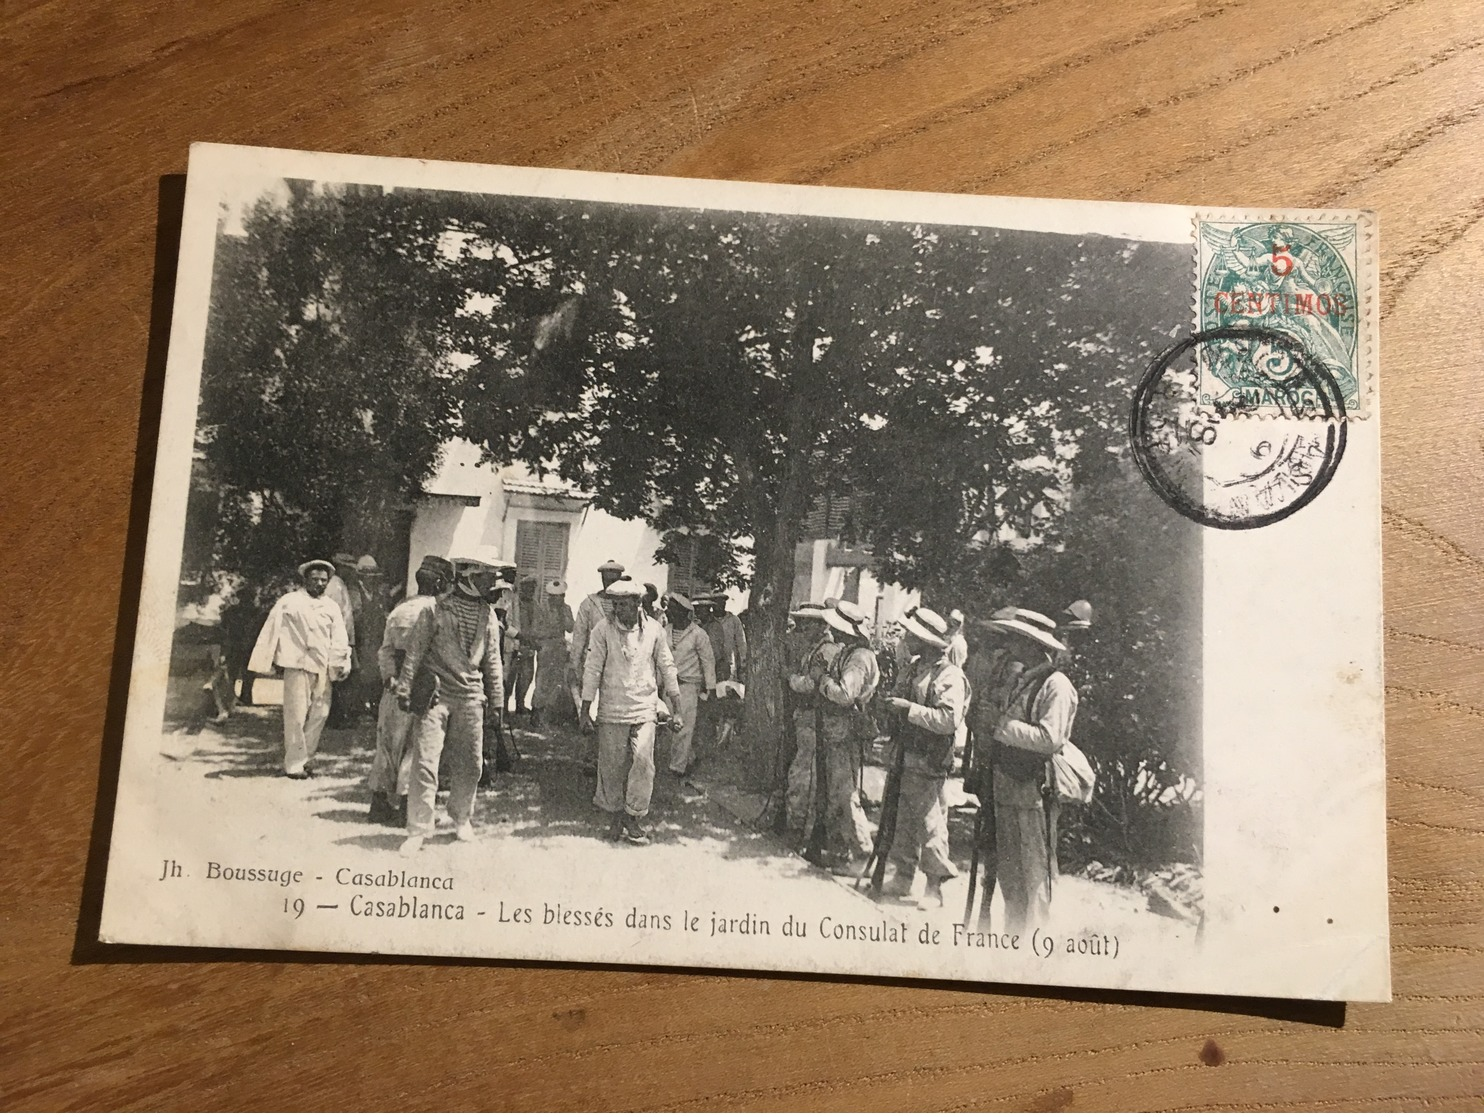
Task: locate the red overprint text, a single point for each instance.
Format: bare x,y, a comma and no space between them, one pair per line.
1281,302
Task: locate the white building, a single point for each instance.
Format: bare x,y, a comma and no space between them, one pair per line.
546,527
549,529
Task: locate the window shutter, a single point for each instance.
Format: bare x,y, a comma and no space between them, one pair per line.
541,549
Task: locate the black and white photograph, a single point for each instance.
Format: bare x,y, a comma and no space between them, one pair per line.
564,566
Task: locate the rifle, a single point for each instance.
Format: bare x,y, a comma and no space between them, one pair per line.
984,841
886,829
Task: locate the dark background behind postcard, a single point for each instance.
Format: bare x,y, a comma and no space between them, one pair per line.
1246,103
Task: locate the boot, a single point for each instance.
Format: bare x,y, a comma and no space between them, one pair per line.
932,895
634,832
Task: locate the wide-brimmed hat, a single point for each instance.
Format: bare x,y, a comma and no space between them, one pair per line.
438,564
809,611
847,617
489,554
1008,613
926,625
625,588
366,564
343,558
1036,626
610,567
1078,614
556,586
680,601
317,564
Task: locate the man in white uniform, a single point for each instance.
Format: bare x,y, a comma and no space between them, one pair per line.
305,636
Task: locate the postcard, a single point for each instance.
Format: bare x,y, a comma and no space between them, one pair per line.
555,565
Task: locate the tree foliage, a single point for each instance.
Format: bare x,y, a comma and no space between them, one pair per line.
326,389
710,372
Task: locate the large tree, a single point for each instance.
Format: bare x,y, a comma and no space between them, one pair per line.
327,388
722,371
711,372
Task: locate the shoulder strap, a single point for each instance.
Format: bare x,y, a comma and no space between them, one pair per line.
1031,682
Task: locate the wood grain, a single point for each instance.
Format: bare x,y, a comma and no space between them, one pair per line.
1250,102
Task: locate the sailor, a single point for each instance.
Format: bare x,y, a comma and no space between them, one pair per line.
629,662
305,636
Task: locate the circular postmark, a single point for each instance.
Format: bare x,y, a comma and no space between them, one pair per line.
1217,462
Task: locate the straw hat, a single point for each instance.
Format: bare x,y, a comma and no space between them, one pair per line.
927,626
1025,623
809,611
680,601
366,564
610,567
317,564
624,589
848,618
556,586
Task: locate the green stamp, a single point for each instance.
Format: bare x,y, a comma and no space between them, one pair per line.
1299,278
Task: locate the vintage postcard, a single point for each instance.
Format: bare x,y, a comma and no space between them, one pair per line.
573,566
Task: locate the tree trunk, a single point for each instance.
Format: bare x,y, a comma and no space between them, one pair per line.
768,757
763,713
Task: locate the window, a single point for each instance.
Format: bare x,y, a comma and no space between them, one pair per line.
541,549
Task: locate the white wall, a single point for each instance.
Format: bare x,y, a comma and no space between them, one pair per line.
602,537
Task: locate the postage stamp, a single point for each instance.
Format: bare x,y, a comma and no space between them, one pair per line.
1299,278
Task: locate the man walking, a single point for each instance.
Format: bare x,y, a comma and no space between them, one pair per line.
695,670
931,701
1036,723
842,693
629,662
459,641
391,767
305,636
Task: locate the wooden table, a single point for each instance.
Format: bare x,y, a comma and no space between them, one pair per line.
1260,102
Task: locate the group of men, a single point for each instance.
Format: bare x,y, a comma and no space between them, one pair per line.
443,660
992,691
996,686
